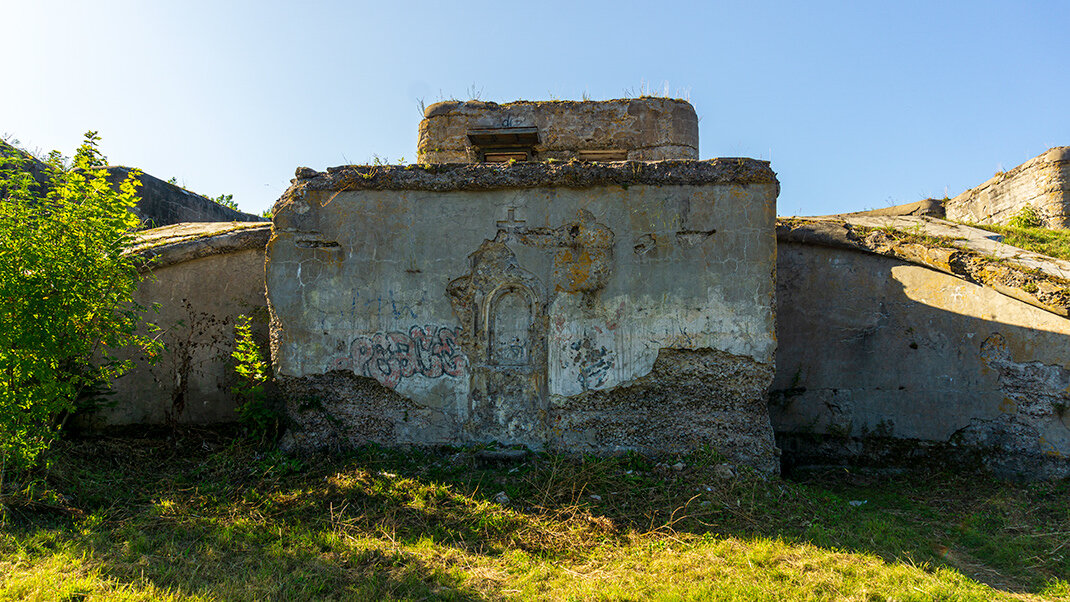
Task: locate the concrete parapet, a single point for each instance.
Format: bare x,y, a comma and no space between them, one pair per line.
1042,183
975,255
638,129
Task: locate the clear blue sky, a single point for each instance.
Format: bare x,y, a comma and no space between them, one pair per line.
857,104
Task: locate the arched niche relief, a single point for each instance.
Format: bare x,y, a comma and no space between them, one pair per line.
509,318
501,309
501,306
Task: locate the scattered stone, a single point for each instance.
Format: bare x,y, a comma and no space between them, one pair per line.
857,503
161,247
501,498
501,456
679,466
724,471
596,498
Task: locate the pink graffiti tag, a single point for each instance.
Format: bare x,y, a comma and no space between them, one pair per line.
390,356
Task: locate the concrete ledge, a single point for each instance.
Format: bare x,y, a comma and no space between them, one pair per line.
927,207
478,107
571,174
968,253
183,242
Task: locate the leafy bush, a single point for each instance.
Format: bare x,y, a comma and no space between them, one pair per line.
66,291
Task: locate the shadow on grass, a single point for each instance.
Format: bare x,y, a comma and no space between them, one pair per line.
205,517
194,523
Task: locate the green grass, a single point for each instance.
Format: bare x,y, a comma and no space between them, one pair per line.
205,518
1053,243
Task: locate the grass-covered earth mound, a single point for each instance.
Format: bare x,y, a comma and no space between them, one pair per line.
203,517
1053,243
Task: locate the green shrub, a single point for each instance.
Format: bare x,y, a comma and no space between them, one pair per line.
1027,217
66,289
256,410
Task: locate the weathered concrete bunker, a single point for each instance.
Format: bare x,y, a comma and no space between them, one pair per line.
618,305
580,306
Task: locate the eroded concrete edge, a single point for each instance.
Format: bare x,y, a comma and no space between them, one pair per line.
446,177
689,399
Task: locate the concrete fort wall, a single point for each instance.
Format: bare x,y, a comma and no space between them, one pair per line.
162,203
611,307
203,276
881,361
1042,183
637,129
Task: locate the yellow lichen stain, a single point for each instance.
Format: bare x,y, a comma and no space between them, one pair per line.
576,266
1007,406
332,257
1047,447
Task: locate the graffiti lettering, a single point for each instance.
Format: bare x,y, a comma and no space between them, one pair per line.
594,364
390,356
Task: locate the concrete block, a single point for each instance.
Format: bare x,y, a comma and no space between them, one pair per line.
643,129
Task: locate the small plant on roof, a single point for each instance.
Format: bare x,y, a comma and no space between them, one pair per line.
227,200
